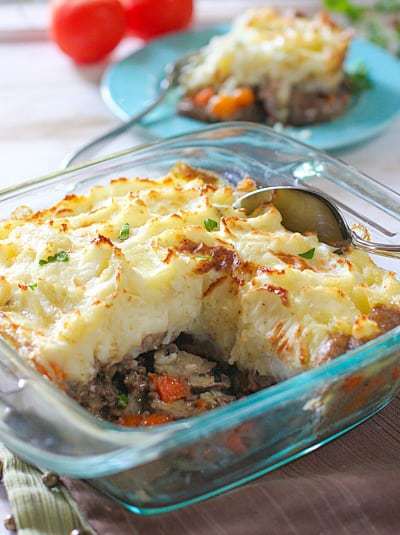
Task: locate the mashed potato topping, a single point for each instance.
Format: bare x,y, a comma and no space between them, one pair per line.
265,46
133,264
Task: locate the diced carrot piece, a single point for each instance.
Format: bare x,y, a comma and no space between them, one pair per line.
236,439
156,419
235,443
244,96
200,404
396,373
224,106
202,97
351,382
169,388
131,420
136,420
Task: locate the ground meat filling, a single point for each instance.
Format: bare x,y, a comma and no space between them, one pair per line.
164,385
181,380
303,107
115,389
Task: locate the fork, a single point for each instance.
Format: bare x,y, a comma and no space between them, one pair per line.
168,82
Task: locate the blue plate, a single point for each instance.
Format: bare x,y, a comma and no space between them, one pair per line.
130,84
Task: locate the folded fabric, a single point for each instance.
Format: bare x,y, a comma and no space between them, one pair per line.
37,509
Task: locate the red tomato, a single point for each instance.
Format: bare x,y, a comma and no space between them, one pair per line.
87,30
148,18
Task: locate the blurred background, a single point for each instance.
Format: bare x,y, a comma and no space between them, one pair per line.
29,18
50,105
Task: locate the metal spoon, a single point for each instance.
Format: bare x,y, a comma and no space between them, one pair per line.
304,210
169,81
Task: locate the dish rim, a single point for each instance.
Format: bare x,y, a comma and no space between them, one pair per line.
179,433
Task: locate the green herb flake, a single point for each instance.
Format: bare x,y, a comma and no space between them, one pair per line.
388,6
308,254
375,19
124,232
61,256
122,401
377,33
206,258
359,79
347,8
210,224
32,286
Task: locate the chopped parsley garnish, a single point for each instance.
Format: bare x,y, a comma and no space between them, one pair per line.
347,8
359,79
32,286
61,256
377,33
308,254
122,401
377,20
124,232
210,224
388,6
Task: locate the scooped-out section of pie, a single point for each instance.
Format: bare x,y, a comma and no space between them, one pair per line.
150,300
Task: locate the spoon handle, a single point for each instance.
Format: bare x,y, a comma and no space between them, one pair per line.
383,249
115,132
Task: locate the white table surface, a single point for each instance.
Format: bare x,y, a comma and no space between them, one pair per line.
49,107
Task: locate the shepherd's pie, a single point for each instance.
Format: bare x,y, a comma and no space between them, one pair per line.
272,66
95,281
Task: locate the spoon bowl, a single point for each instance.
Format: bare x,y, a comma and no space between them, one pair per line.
308,211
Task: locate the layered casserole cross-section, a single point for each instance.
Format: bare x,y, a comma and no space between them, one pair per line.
91,286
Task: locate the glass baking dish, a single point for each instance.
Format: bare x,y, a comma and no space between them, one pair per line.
152,470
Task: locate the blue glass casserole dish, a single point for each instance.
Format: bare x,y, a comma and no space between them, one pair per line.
153,470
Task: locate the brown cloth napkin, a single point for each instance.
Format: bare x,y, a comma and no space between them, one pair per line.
351,486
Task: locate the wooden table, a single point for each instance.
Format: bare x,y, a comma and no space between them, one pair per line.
49,107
